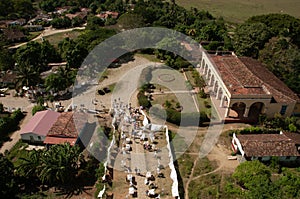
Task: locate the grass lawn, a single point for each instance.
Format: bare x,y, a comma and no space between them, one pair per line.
239,10
56,38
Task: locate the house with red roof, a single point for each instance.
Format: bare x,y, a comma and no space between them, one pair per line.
50,127
38,127
63,130
262,147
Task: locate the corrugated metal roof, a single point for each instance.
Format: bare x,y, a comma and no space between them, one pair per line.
41,122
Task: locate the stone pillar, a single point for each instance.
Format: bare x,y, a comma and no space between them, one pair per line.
211,80
227,112
214,86
246,111
222,100
218,93
207,75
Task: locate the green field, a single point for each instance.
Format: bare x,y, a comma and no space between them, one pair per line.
240,10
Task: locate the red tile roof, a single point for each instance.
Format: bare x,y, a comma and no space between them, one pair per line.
260,145
246,76
64,126
40,123
59,140
279,90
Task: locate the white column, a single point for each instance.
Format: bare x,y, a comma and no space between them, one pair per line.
214,86
222,100
246,111
227,112
218,93
207,75
211,80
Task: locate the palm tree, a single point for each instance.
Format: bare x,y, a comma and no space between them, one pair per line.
26,76
60,164
30,165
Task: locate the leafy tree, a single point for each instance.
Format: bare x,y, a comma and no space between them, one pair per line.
75,56
255,177
249,38
37,108
6,60
77,21
1,108
289,185
283,59
63,22
48,53
61,80
60,164
29,166
131,20
24,8
94,22
26,76
282,25
48,6
6,7
30,54
7,178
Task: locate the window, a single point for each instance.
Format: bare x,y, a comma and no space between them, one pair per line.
39,138
283,109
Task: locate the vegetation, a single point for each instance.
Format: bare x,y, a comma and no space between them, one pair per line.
237,11
257,181
14,9
9,124
61,166
7,181
274,40
37,108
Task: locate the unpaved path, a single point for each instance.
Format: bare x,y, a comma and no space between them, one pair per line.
11,102
219,154
48,32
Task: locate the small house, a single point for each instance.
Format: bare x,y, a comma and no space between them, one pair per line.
38,127
285,146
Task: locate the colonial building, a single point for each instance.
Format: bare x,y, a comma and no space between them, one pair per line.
242,88
262,147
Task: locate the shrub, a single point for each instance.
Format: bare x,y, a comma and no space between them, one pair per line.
37,108
143,100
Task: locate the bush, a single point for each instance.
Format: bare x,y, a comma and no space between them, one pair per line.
143,100
9,124
61,22
37,108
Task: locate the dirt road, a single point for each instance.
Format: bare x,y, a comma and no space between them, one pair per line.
47,32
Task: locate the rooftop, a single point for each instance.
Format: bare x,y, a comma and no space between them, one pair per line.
41,122
59,140
246,76
64,126
260,145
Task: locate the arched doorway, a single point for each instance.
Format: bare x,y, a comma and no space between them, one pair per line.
239,109
255,110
